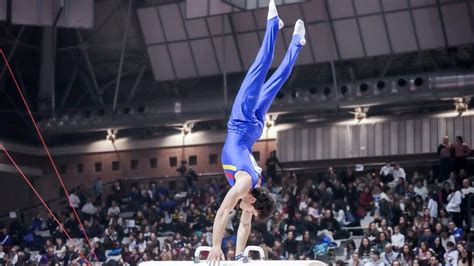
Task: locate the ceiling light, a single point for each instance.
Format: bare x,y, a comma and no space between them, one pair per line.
360,113
461,105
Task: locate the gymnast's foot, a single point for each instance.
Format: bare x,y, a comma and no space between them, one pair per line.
273,12
300,31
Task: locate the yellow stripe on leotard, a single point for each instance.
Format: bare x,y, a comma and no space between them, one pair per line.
229,167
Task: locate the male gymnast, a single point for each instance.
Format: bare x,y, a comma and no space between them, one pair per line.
245,127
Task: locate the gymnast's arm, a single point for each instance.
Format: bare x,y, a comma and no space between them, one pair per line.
243,182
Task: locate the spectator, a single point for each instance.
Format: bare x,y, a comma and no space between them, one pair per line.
389,255
438,248
454,205
398,239
113,210
456,232
406,255
461,151
420,189
433,206
465,257
329,226
98,187
365,248
451,255
386,173
89,209
445,153
467,201
399,173
272,163
74,199
375,259
290,245
355,260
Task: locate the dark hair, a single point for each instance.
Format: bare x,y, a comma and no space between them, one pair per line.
264,203
460,139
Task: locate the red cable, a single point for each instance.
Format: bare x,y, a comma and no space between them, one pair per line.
61,226
35,124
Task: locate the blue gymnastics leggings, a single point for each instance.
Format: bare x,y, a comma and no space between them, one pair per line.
255,96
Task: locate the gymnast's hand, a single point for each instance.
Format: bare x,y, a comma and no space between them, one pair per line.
215,256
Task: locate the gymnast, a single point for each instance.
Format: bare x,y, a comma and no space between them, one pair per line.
245,127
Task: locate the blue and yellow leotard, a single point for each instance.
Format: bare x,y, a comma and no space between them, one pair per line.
255,96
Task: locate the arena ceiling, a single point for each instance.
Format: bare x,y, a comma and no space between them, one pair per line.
173,63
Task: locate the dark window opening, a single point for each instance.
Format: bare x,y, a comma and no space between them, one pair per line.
98,167
80,168
115,166
256,156
134,164
153,163
213,159
173,161
193,160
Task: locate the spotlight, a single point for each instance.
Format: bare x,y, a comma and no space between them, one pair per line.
461,105
111,135
360,113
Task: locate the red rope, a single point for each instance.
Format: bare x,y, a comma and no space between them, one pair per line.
61,226
40,135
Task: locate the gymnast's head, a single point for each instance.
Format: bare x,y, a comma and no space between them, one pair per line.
259,202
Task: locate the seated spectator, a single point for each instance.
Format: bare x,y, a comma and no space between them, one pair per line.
113,210
375,259
386,173
389,255
398,239
74,199
305,246
451,255
365,248
328,225
49,258
455,231
290,245
420,189
406,255
438,248
89,209
5,238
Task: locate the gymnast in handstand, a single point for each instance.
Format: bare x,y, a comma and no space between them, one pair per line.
245,127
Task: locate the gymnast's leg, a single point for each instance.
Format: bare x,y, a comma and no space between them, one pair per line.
278,79
246,100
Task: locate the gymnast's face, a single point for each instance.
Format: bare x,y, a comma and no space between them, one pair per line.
246,204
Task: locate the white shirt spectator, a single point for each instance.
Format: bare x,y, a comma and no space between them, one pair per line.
398,240
399,173
112,211
451,258
421,191
454,202
433,207
74,200
386,170
89,208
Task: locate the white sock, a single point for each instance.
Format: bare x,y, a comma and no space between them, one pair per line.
300,30
272,10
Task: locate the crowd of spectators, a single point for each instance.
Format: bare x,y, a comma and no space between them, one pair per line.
412,218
